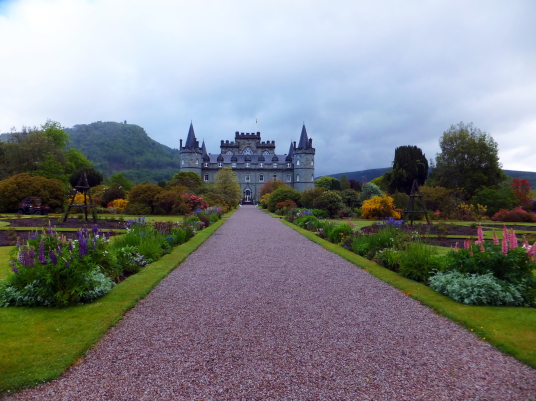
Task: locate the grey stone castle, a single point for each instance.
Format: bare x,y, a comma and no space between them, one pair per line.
253,161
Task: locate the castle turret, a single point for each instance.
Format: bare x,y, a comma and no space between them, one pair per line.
191,154
303,158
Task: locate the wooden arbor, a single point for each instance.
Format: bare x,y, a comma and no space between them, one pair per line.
82,188
415,203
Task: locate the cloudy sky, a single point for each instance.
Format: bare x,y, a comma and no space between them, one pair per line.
364,76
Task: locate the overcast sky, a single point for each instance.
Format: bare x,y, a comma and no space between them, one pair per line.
364,76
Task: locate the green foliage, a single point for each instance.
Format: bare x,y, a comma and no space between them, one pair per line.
226,184
418,260
381,182
270,186
340,232
369,191
55,132
94,178
409,164
115,191
143,195
400,200
51,168
14,189
328,183
309,196
350,198
369,245
124,182
75,161
282,194
477,289
389,258
469,159
345,184
116,147
438,198
495,199
188,179
329,201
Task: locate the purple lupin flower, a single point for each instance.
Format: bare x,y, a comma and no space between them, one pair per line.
15,270
95,229
67,265
53,258
41,256
70,247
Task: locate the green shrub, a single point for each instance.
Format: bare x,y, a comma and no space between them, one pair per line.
386,237
329,201
477,289
418,260
340,233
389,258
282,194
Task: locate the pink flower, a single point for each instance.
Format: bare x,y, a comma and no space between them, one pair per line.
467,243
505,234
513,240
480,234
504,247
482,247
456,249
495,239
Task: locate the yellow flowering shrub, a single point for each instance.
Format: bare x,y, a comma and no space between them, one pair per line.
119,205
264,200
380,207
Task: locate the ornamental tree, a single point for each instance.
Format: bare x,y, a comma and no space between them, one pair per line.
521,190
469,159
409,164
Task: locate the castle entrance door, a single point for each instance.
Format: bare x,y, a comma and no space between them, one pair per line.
247,195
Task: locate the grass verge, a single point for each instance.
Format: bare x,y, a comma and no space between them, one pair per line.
510,329
38,344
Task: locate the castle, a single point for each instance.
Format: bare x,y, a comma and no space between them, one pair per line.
254,162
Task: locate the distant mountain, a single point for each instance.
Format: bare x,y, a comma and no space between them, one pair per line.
119,147
378,172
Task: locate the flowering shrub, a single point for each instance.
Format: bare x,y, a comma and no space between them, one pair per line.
285,206
391,222
119,205
515,215
194,202
379,207
50,270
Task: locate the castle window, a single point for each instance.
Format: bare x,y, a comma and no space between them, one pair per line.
233,164
297,177
196,161
261,177
247,177
265,153
247,164
206,164
297,162
312,177
206,177
274,165
288,165
275,177
312,163
247,151
288,178
220,164
261,164
229,152
182,161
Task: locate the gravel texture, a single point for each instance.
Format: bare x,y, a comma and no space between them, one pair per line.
259,312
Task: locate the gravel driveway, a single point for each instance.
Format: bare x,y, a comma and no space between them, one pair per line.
259,312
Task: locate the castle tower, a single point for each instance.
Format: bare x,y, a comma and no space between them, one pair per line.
303,159
191,154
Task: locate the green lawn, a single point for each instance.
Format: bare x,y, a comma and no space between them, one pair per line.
510,329
38,344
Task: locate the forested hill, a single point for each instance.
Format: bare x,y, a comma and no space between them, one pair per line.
120,147
378,172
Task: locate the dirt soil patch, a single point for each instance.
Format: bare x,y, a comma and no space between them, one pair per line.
10,237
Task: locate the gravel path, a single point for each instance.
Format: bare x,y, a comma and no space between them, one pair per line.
261,313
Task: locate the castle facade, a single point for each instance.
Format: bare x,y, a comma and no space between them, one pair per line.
253,161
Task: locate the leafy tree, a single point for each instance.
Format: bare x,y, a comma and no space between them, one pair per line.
282,194
409,164
521,190
438,198
171,201
381,182
55,132
309,196
328,183
94,178
124,182
51,168
355,185
75,160
115,191
226,183
495,199
329,201
270,186
14,189
345,184
350,198
144,195
469,159
369,191
189,179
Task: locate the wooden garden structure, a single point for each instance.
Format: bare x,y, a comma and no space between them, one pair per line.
81,188
415,205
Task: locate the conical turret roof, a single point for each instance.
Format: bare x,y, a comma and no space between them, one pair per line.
290,152
191,142
304,139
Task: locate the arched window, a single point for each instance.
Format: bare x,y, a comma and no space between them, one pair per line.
261,177
288,178
297,162
312,177
297,177
247,151
230,152
247,177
